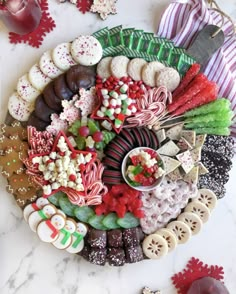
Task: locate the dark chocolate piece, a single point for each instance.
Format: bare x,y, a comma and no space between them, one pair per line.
34,121
133,254
114,238
116,256
97,238
131,237
42,111
85,252
98,256
61,88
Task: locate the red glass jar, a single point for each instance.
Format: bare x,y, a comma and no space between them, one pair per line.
21,16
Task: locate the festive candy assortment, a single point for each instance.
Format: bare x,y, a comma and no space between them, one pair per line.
116,147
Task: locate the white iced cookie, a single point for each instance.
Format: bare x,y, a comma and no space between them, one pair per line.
169,78
48,230
119,66
198,208
62,57
150,71
47,65
37,78
135,68
207,197
36,217
64,239
181,231
19,108
170,238
77,239
86,50
37,205
26,90
155,246
104,68
192,220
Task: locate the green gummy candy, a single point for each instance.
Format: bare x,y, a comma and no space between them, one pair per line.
74,127
99,145
213,131
128,221
96,222
215,106
93,127
80,142
54,199
83,213
66,206
108,136
110,221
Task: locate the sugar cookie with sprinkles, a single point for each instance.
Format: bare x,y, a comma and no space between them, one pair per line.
99,160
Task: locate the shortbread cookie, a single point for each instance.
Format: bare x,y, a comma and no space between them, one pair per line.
155,246
37,78
62,57
86,50
48,67
169,78
104,68
119,66
192,220
19,108
26,90
181,231
150,71
135,68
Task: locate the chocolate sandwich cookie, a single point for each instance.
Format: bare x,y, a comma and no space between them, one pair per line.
61,88
79,76
128,135
155,142
36,122
147,136
42,111
112,177
51,99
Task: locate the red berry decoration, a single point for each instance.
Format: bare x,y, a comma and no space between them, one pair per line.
84,131
72,177
98,136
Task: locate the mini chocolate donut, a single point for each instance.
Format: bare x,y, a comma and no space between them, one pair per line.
207,285
51,98
36,122
80,76
61,89
42,111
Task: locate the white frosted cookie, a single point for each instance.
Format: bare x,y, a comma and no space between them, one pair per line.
64,239
62,57
37,78
47,65
104,68
26,90
119,66
86,50
150,71
135,67
169,78
19,108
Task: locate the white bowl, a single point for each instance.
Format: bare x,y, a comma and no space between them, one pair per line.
124,166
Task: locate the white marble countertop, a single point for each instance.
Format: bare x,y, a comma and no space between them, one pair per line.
30,266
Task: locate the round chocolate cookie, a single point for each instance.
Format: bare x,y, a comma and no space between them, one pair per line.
207,285
36,122
51,99
42,111
61,89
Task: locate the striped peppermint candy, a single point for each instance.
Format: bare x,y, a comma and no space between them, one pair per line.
182,20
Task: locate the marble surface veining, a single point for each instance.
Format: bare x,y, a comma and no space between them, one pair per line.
30,266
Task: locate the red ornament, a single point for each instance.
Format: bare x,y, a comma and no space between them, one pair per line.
195,269
72,178
84,5
36,37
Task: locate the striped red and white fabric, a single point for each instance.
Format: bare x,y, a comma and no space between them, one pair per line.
182,20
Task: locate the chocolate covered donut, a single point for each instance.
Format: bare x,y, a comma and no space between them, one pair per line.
51,99
61,89
36,122
42,111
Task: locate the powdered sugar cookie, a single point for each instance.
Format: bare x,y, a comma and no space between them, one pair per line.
37,78
135,67
39,204
26,90
86,50
149,72
48,67
62,57
19,108
119,66
169,78
49,230
104,68
64,239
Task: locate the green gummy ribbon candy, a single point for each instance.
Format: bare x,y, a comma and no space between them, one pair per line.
110,221
96,222
74,127
54,199
66,206
80,142
128,221
83,213
92,126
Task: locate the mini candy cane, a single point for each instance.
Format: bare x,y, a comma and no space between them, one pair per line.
152,106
